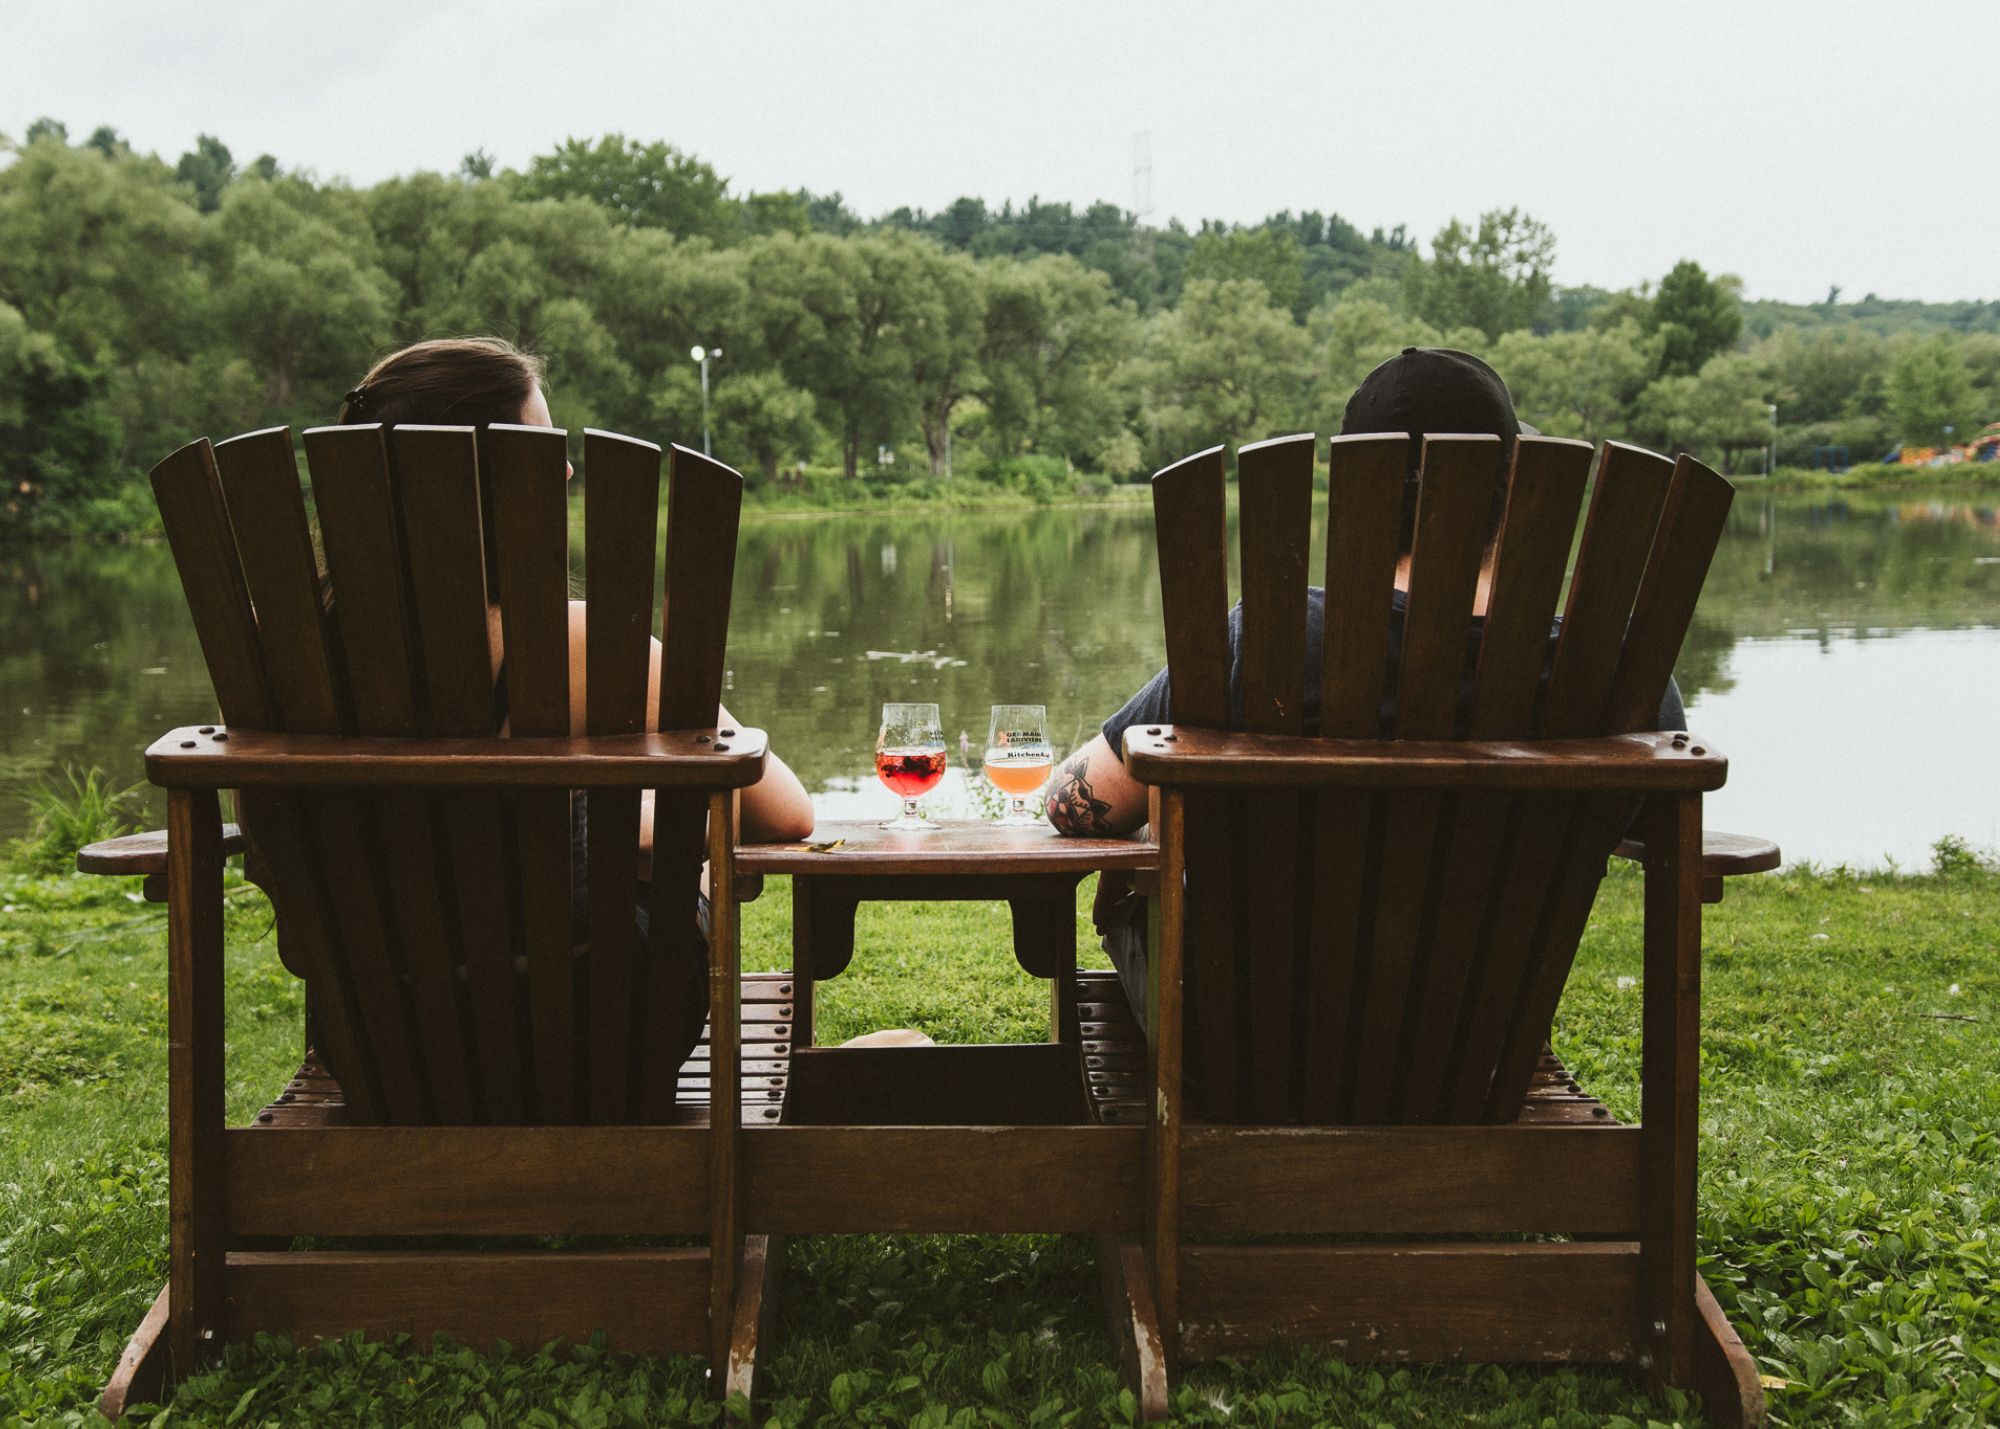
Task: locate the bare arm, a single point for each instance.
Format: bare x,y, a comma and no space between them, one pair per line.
1093,795
775,809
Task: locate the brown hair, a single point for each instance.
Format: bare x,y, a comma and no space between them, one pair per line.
448,381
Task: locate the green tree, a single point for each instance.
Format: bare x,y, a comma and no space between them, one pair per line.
646,185
1227,365
298,292
208,169
941,310
1695,316
1930,389
1263,255
46,130
1054,337
1578,384
761,415
1494,278
1721,410
58,442
1826,374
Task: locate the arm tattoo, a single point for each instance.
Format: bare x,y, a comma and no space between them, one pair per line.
1073,809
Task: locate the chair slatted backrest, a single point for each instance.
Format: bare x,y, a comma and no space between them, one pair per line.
1375,957
435,928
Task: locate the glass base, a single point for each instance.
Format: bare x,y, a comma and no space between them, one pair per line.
909,824
1022,820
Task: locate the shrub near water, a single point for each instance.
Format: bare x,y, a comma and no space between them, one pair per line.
79,809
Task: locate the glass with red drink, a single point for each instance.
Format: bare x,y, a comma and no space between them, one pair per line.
909,758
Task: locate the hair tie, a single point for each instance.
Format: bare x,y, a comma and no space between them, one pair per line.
359,395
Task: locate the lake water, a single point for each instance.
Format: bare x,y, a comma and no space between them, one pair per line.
1846,655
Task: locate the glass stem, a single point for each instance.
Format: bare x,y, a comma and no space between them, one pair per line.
1017,808
909,807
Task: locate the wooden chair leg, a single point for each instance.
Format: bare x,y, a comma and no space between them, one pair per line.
141,1376
1731,1393
756,1312
1126,1287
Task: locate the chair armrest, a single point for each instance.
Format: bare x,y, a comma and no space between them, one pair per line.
143,853
1624,763
210,757
1722,855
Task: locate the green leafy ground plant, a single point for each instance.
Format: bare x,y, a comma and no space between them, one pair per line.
1850,1189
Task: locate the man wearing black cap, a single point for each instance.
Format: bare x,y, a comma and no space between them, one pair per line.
1424,391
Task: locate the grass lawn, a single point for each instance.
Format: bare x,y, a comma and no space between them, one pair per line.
1850,1188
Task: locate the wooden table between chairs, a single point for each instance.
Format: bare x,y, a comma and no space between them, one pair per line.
1035,871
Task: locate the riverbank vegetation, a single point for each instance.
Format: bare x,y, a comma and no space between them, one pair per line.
1039,347
1850,1186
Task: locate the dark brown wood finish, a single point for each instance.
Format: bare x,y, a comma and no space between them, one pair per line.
1364,510
1274,486
1452,511
413,819
527,479
360,528
1189,508
1453,865
621,516
437,480
1545,494
194,1073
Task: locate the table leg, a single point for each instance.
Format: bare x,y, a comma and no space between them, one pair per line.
1045,945
822,944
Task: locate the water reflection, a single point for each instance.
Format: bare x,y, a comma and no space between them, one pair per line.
1846,653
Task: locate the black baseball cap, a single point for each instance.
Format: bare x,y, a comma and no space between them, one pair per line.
1428,391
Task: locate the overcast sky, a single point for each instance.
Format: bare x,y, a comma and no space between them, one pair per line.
1797,145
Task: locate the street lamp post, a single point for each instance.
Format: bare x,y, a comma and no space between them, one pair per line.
702,355
1771,459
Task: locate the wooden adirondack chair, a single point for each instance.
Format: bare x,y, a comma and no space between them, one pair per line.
477,1074
1359,941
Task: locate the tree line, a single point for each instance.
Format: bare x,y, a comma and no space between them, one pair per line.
143,303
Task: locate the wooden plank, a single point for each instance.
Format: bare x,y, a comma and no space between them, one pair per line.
480,1180
835,1180
645,1301
141,1375
189,494
1690,527
1722,855
755,1318
143,853
1166,1039
437,481
1732,1394
1624,763
960,846
527,477
194,1072
1014,1084
1126,1290
1364,512
1670,1085
1544,496
1499,1303
1274,485
1189,512
189,758
621,515
725,1191
1625,509
360,525
1571,1180
704,500
260,483
1453,506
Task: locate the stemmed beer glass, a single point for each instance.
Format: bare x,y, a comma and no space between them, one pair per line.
1018,757
909,758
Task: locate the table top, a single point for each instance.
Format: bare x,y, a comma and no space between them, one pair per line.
959,846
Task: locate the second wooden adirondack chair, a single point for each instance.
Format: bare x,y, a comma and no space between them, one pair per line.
478,1072
1360,940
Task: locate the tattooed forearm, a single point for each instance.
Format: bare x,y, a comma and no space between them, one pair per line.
1073,809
